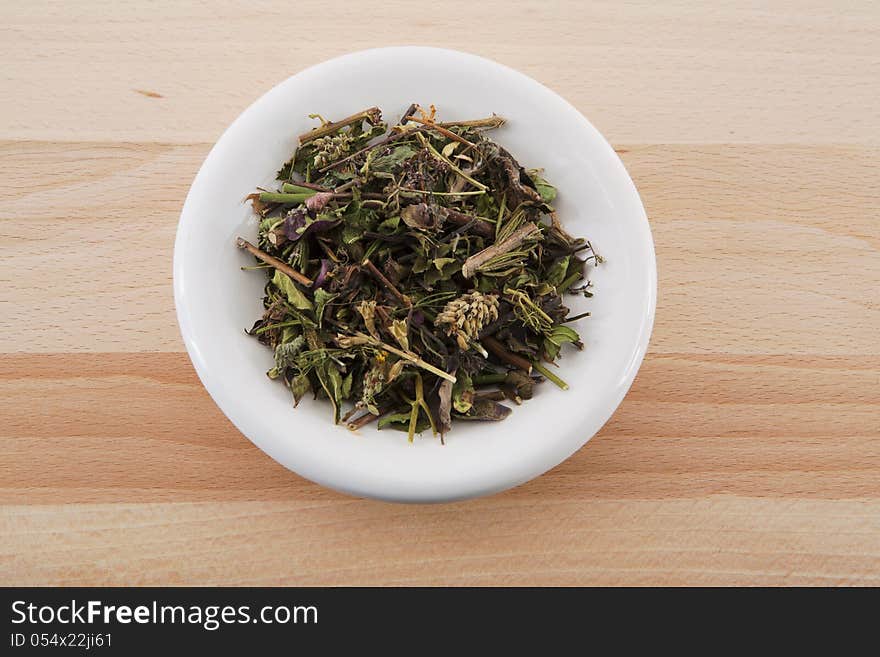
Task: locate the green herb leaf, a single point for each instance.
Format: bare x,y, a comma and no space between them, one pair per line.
331,382
296,298
299,386
545,189
558,336
556,273
322,298
394,418
397,156
389,225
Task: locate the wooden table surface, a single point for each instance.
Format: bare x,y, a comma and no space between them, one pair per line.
747,451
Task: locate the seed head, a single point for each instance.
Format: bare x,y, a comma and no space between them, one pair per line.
331,148
469,314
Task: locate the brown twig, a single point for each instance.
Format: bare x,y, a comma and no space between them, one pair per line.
347,416
520,235
283,267
364,420
443,131
383,315
479,226
489,122
372,114
498,349
408,113
379,276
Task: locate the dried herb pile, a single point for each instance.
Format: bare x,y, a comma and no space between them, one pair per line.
416,274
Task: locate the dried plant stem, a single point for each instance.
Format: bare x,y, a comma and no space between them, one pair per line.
437,154
283,267
489,122
565,285
575,318
291,187
408,113
473,264
289,196
476,192
550,375
479,226
412,358
346,186
379,276
327,250
511,359
372,114
364,420
443,131
352,411
285,198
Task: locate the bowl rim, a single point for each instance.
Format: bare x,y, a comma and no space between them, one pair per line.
357,489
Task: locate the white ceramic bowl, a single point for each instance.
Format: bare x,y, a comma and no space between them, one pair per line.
216,301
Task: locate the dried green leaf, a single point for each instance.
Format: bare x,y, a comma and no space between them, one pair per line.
388,163
389,225
421,216
345,391
299,386
486,409
556,273
545,189
331,382
322,298
521,383
440,263
293,294
395,418
558,336
462,393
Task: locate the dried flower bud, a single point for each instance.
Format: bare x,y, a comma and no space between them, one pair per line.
348,341
400,330
367,310
331,148
317,202
469,313
395,370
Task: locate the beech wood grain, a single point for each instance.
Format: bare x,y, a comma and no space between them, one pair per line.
747,451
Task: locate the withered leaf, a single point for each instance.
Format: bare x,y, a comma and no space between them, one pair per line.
421,216
293,294
486,409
